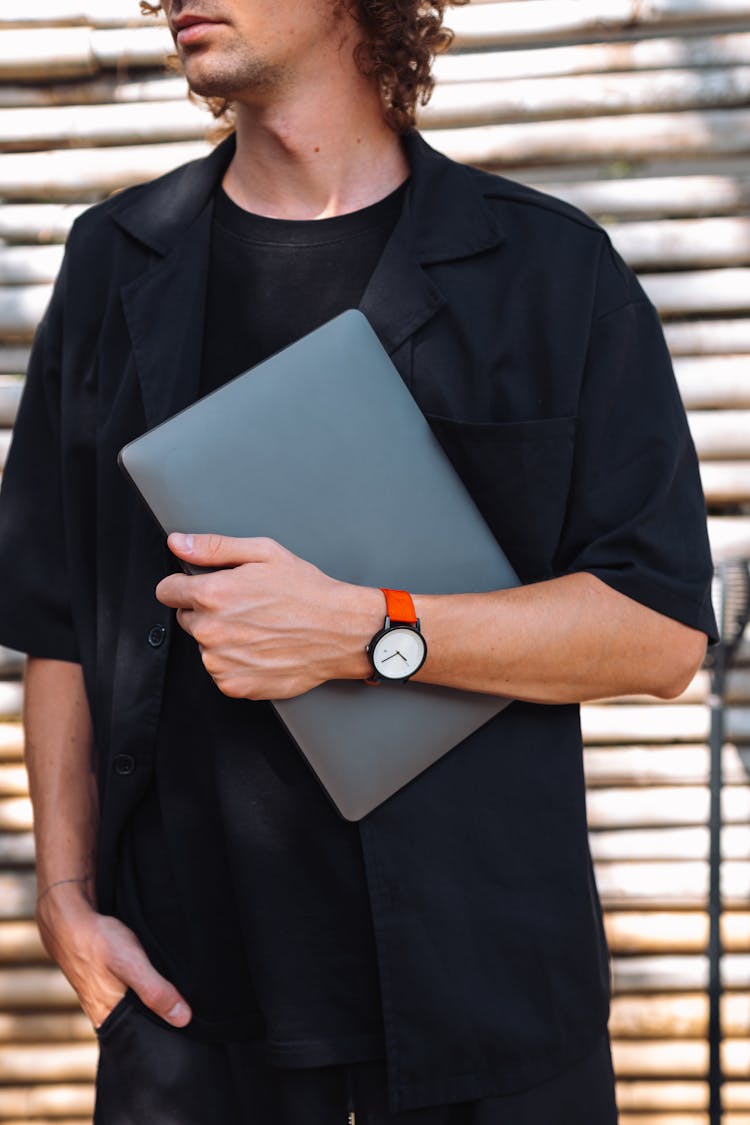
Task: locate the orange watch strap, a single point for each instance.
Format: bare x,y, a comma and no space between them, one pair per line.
399,606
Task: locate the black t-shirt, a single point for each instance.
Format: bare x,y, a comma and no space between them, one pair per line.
267,910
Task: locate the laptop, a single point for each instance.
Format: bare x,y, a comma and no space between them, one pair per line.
323,448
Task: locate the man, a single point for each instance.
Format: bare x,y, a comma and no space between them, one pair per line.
244,954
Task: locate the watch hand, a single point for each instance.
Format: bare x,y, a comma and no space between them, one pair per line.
387,658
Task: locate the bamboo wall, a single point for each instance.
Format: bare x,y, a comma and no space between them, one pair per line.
637,112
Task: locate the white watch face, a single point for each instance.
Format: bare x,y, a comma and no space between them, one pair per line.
399,653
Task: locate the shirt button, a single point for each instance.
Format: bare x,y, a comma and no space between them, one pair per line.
123,764
156,635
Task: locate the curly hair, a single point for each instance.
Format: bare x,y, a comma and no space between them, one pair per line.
400,39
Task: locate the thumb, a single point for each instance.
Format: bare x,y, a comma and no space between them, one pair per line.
217,550
158,994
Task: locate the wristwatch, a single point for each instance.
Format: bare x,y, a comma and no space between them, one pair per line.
398,650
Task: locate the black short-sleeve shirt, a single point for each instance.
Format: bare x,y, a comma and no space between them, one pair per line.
541,366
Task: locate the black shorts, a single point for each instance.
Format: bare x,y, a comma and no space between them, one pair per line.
151,1074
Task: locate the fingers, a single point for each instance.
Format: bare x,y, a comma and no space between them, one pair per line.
191,591
221,550
129,962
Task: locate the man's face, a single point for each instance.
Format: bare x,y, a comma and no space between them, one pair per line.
231,48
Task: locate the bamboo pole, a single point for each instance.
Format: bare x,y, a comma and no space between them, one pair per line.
37,222
48,1062
514,22
659,974
45,54
671,931
708,337
714,381
29,265
594,58
14,780
148,87
102,125
16,849
699,291
534,99
721,434
652,196
13,362
38,988
31,1027
726,483
15,816
21,309
670,1119
17,900
54,1101
20,941
683,242
87,174
660,765
668,1058
680,1016
633,137
11,741
93,13
10,396
730,537
666,1096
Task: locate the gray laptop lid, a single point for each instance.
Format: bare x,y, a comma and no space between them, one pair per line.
323,448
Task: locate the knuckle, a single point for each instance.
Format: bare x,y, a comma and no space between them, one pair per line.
206,631
213,544
152,995
208,592
268,546
233,688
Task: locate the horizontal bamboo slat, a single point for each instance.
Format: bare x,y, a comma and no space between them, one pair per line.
82,126
20,943
535,99
94,13
634,137
89,173
53,1101
708,337
30,1027
514,21
48,54
594,58
680,243
677,765
662,1096
653,196
48,1062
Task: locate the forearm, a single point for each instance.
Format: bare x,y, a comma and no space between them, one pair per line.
562,641
62,784
566,640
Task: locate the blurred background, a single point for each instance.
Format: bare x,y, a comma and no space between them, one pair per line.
637,111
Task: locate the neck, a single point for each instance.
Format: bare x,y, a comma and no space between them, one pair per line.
321,153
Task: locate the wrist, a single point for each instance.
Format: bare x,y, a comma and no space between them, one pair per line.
65,890
364,610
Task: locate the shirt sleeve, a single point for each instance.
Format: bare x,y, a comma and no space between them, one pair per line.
636,514
35,604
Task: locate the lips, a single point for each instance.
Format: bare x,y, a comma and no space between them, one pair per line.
187,20
189,28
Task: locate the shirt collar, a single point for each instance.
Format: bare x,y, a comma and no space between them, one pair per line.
449,214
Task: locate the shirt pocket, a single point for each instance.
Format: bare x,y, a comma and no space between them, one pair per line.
518,474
